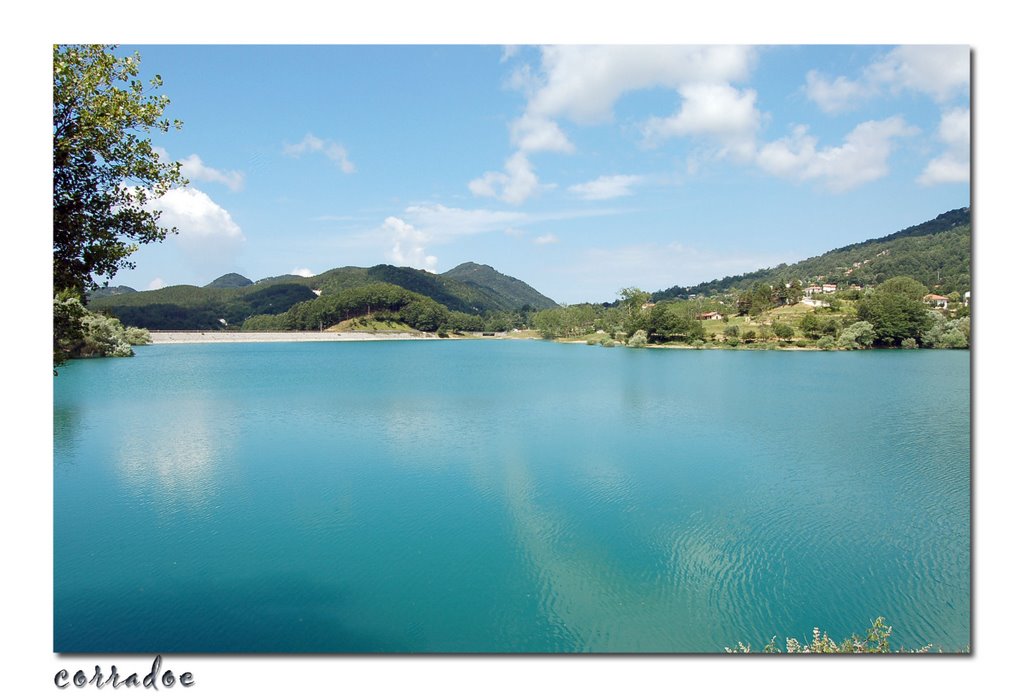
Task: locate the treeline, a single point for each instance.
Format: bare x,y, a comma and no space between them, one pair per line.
191,307
666,321
936,253
382,302
891,315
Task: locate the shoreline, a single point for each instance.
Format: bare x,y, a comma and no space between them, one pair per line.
215,337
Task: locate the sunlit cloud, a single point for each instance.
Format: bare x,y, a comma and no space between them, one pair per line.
516,184
863,157
941,72
408,245
954,164
207,236
606,187
333,151
582,84
720,112
194,169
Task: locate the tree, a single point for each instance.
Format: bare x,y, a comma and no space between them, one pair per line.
857,336
896,311
783,331
632,300
903,285
106,173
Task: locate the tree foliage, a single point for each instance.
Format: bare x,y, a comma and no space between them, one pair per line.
84,334
858,335
896,311
875,640
105,171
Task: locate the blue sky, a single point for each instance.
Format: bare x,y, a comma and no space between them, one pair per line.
579,169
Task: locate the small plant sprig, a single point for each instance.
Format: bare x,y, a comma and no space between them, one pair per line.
876,640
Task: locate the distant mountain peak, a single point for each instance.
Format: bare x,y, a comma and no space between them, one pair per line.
229,280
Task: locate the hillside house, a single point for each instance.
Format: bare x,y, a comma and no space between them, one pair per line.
710,315
828,287
812,290
939,301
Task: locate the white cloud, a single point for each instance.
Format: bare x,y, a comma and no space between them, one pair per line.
194,169
442,222
196,216
514,185
509,52
207,235
863,156
536,134
408,245
833,96
304,272
583,83
941,72
717,110
308,144
953,165
333,151
545,239
156,284
606,187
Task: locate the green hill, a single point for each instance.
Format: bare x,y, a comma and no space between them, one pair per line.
231,299
230,280
937,253
513,292
111,290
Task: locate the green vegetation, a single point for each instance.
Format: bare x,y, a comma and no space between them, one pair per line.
84,334
936,253
191,307
230,280
875,640
891,315
100,110
105,176
231,300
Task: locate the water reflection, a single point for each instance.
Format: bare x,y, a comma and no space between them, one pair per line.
592,598
174,458
67,436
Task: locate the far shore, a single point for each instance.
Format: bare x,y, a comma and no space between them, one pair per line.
217,337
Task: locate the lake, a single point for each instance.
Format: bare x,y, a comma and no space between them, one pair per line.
507,496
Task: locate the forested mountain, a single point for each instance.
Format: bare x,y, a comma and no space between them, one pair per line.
936,253
111,290
232,298
511,291
230,280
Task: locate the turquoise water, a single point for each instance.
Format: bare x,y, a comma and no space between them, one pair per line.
507,496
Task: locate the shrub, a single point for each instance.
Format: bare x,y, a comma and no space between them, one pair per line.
908,343
826,342
857,336
638,340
